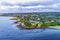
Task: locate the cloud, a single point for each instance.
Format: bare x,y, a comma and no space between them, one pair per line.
26,1
29,5
8,7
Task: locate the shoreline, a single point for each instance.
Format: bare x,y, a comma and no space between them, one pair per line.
56,27
23,27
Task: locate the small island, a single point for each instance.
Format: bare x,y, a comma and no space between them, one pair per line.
32,21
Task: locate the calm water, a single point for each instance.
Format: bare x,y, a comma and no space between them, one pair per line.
9,31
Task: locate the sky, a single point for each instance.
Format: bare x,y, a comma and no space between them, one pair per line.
20,6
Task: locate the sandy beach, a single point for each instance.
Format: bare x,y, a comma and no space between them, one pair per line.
56,27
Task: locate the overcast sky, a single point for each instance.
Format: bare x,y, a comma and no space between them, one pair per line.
14,6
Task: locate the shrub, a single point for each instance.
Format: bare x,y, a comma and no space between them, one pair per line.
58,23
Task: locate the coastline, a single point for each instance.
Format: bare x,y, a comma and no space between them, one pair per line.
22,26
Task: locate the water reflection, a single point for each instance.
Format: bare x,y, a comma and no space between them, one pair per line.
9,31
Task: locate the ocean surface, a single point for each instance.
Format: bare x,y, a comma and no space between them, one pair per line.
9,31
